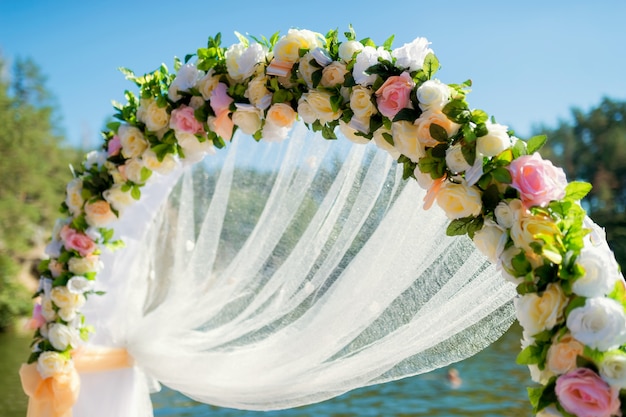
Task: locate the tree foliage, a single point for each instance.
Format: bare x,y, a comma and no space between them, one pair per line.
34,169
592,147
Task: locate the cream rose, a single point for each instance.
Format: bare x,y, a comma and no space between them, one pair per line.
61,336
80,266
63,298
537,313
96,158
599,324
257,92
118,198
247,119
495,141
455,160
506,213
490,241
381,142
348,49
528,226
154,117
306,69
459,200
361,103
433,95
350,134
242,59
562,355
405,140
47,309
74,196
334,74
51,363
99,213
207,84
132,141
319,103
193,149
132,170
613,368
164,167
430,117
287,49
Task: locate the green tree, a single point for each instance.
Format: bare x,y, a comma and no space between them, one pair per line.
34,171
592,147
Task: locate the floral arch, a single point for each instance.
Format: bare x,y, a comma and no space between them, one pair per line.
518,208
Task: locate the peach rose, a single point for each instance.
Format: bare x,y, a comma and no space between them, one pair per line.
429,117
334,74
281,115
563,353
99,213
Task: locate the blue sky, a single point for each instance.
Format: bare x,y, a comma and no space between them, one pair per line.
530,61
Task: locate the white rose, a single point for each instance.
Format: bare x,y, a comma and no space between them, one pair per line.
79,285
350,134
248,119
361,103
154,117
51,364
61,337
272,132
63,298
333,74
164,167
601,272
405,140
79,266
599,324
381,142
306,112
257,92
241,60
67,314
424,180
132,141
348,49
95,158
537,313
287,49
117,198
490,241
47,309
74,195
506,213
433,95
365,59
133,170
411,55
306,69
459,200
613,368
186,78
495,141
207,84
320,105
193,149
455,160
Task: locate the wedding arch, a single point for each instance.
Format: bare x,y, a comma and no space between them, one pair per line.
336,274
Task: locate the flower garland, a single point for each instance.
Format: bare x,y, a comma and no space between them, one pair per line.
517,207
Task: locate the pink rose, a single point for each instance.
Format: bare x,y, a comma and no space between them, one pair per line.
183,120
537,180
583,393
75,240
394,94
114,146
220,100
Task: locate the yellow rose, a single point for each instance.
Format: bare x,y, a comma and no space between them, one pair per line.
82,266
287,49
459,200
405,140
281,115
562,355
249,121
429,117
333,74
207,83
52,363
63,298
321,107
527,226
361,103
164,167
154,117
132,140
99,213
74,195
537,313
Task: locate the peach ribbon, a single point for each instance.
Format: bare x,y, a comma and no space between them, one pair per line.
56,395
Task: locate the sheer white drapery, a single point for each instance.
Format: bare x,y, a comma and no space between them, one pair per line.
274,275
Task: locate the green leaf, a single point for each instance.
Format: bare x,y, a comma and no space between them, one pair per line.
407,114
479,116
438,133
519,149
536,143
316,77
388,138
577,190
459,227
531,355
135,192
387,44
457,110
431,65
469,153
502,175
575,303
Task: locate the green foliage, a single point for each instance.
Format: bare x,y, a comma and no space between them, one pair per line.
591,147
14,298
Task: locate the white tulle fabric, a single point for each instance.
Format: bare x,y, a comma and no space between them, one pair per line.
274,275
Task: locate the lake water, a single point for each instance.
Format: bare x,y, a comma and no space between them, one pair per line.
492,386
